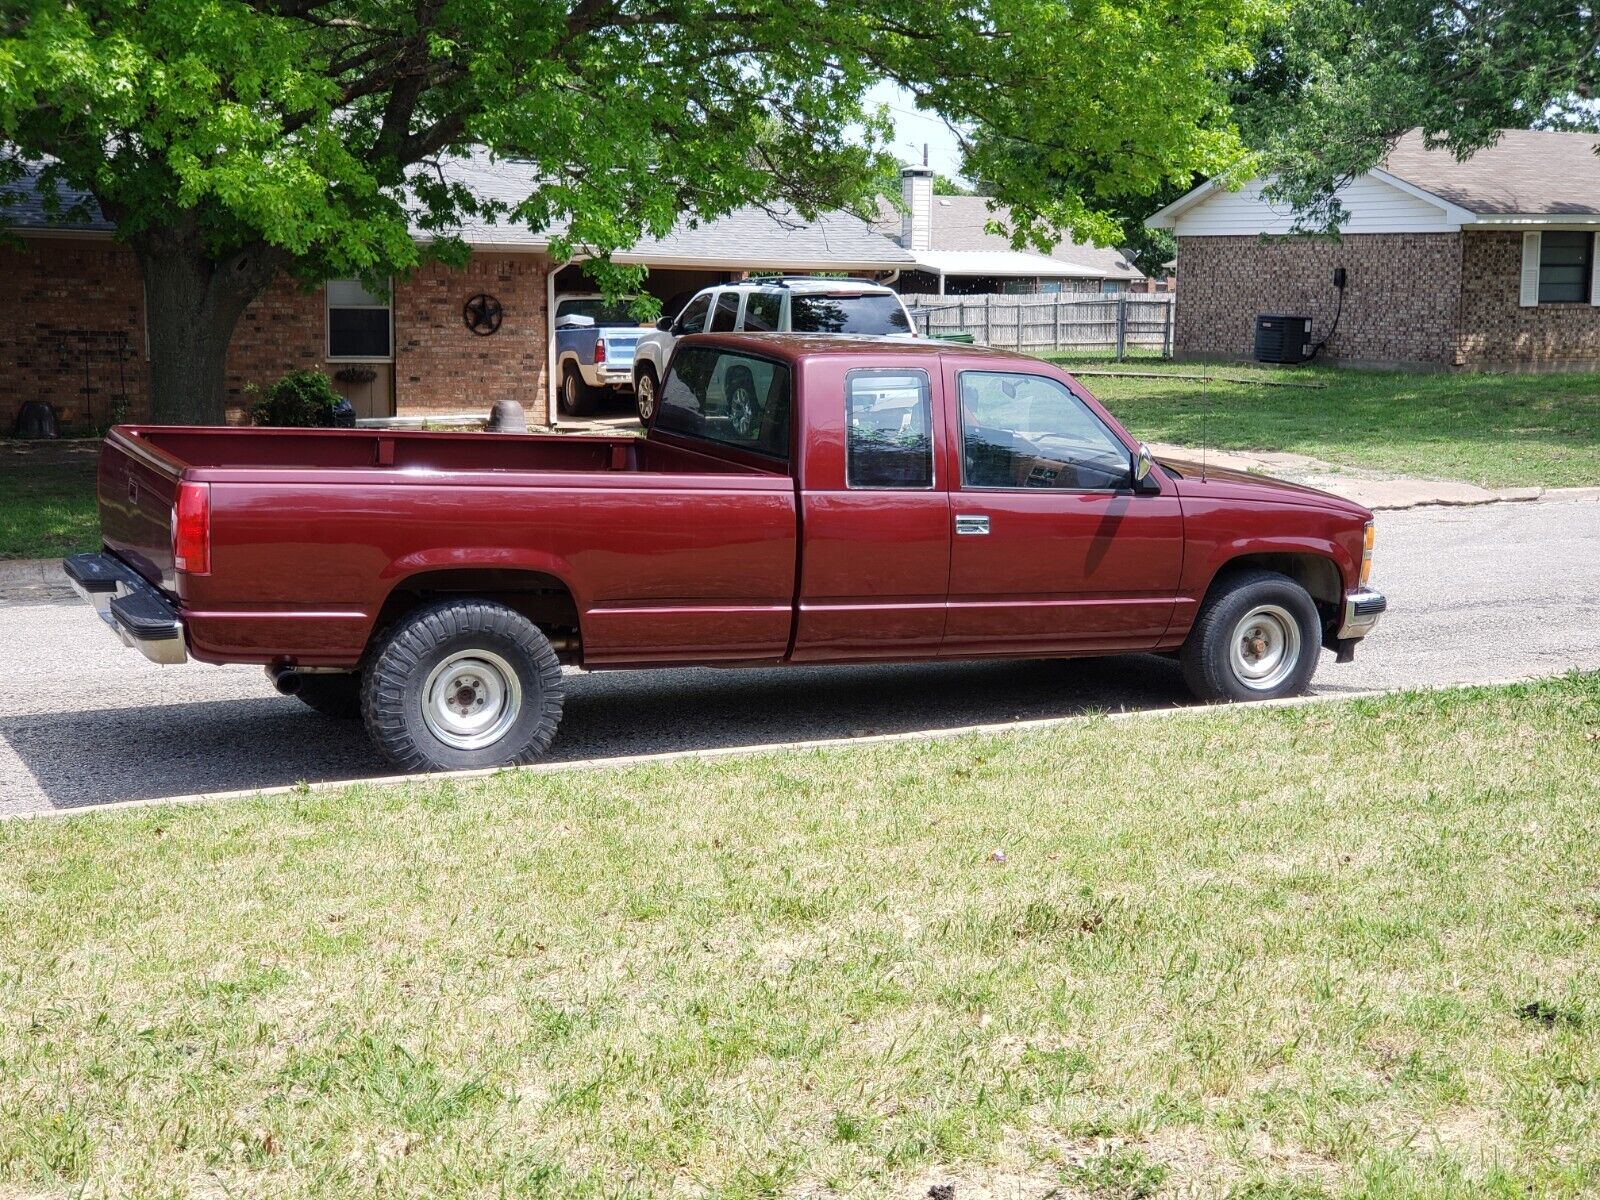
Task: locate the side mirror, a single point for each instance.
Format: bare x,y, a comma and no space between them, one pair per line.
664,324
1143,463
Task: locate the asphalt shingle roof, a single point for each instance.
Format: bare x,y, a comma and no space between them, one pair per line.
23,206
778,238
1528,171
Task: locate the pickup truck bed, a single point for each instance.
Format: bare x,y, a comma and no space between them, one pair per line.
639,527
797,499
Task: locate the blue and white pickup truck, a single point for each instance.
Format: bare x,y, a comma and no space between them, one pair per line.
595,340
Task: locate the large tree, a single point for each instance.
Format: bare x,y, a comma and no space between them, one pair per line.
233,140
1334,83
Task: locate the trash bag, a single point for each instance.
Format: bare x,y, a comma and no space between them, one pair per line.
37,419
344,414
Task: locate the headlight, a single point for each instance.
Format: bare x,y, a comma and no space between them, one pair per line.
1366,553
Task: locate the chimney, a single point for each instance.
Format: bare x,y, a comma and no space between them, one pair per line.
916,223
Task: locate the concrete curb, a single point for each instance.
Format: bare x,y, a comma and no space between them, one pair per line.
575,766
31,572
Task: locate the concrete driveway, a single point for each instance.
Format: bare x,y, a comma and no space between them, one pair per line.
1476,594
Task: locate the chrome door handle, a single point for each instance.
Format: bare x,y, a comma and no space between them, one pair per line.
972,524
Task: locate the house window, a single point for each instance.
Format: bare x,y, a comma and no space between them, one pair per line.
360,324
1565,261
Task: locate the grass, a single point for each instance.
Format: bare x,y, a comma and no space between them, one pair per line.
1329,951
1493,430
47,502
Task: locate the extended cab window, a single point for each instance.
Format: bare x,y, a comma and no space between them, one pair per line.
1026,431
693,317
889,429
728,398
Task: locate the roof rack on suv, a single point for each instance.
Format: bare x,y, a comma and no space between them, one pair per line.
786,280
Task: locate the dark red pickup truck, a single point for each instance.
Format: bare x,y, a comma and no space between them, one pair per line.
798,499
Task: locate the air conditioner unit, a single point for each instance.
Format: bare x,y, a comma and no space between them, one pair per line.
1282,339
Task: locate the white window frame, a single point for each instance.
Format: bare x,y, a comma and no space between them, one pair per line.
327,323
1533,252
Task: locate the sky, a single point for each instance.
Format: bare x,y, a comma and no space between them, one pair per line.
913,129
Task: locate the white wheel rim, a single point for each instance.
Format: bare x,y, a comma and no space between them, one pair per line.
647,397
742,406
471,699
1265,647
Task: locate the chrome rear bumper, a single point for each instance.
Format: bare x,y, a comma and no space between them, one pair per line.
1362,608
137,612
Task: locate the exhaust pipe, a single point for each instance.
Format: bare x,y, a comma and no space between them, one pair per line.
285,679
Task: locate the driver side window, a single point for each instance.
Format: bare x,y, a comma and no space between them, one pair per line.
1027,431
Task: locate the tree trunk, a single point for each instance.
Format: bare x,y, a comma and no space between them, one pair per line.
193,303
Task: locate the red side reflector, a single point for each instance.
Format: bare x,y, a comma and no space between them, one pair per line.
191,529
600,350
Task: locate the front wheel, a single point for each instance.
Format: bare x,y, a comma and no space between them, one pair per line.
644,395
462,684
1257,638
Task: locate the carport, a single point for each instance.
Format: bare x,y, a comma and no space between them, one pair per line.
750,241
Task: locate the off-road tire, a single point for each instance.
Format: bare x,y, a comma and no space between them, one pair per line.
646,391
1207,655
392,687
577,398
331,695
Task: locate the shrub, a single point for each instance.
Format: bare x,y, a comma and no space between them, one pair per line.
299,398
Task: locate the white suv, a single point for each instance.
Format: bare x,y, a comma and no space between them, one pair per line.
788,304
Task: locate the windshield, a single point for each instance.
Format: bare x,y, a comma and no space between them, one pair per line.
599,310
879,313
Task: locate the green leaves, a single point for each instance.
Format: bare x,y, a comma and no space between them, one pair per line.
311,125
1337,81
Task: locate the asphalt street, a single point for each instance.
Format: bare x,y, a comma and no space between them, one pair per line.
1476,594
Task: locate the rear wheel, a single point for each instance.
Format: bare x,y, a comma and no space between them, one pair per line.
462,684
577,397
331,695
645,391
1257,638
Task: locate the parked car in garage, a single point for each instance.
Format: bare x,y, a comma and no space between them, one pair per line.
768,304
595,340
797,499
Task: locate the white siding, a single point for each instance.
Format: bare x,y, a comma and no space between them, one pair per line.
1374,207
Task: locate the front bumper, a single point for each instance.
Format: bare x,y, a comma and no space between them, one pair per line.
138,612
1362,608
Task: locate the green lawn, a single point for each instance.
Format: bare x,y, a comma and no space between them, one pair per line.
1331,951
1493,430
47,504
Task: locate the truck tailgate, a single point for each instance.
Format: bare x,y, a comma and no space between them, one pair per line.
136,486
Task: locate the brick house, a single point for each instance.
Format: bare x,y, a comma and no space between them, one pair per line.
1484,263
72,314
956,255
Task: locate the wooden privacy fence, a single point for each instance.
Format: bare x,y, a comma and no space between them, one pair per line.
1116,322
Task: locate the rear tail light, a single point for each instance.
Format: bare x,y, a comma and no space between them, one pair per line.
191,529
1369,538
600,350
